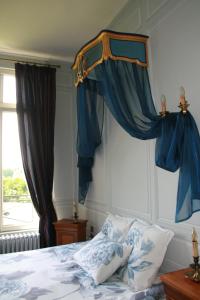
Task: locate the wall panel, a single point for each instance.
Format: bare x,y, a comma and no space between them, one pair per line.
64,178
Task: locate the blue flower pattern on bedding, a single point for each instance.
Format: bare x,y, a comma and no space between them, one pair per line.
52,274
109,230
104,252
131,266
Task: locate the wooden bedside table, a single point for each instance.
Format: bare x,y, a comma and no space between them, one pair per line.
68,231
177,287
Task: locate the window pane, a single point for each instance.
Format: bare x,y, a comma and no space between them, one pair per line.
17,206
9,89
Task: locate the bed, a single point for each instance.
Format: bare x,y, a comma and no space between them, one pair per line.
52,274
120,263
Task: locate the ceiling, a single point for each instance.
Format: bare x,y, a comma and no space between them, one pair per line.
53,29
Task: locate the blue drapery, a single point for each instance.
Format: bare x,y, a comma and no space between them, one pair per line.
178,146
124,87
111,69
116,83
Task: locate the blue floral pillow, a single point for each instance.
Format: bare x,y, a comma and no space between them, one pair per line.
149,247
101,257
116,228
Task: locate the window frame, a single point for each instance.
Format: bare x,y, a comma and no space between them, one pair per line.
7,107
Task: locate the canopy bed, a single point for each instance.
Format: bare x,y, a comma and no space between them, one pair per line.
112,70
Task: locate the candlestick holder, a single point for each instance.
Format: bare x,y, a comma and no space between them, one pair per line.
184,106
164,113
75,217
194,275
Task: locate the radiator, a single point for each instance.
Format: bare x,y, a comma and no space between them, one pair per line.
21,241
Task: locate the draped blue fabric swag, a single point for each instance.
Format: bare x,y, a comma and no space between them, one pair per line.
178,147
124,87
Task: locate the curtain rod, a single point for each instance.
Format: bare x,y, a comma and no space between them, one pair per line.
29,62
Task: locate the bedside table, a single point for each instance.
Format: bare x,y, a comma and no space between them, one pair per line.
70,231
177,287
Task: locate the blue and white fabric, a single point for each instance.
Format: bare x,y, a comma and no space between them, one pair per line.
116,227
52,274
149,247
101,257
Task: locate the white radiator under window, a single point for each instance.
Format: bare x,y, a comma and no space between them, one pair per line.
21,241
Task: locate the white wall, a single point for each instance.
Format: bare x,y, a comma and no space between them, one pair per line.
64,164
126,180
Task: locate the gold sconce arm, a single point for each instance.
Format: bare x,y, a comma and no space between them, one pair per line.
183,104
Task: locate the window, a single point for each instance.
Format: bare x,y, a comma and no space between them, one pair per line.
16,208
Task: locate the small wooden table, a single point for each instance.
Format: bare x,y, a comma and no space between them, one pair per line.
70,231
177,287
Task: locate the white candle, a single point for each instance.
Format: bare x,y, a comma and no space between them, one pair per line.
182,91
163,103
182,95
195,250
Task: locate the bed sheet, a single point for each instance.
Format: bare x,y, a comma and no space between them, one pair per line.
52,274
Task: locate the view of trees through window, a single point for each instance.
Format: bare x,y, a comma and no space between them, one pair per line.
17,207
14,188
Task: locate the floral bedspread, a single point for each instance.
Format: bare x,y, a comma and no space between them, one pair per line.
52,274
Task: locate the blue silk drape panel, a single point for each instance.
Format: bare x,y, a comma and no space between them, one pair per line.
124,87
178,147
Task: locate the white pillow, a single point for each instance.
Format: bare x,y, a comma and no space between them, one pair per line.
101,257
149,247
116,227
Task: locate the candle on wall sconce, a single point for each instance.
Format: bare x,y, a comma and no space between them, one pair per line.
183,104
182,91
163,101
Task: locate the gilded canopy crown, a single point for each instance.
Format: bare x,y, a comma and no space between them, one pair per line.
110,45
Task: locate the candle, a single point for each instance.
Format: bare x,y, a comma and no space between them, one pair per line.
195,250
163,103
182,95
182,91
74,208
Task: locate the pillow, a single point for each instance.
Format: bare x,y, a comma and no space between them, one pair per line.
149,247
116,228
101,257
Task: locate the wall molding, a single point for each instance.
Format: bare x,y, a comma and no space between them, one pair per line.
35,55
96,205
62,200
169,265
160,14
151,10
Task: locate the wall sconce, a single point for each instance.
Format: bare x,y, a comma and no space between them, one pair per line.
183,104
163,111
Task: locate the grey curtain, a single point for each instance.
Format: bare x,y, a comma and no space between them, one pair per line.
36,97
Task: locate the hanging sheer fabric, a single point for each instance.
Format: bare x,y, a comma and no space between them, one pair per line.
90,109
121,82
178,147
